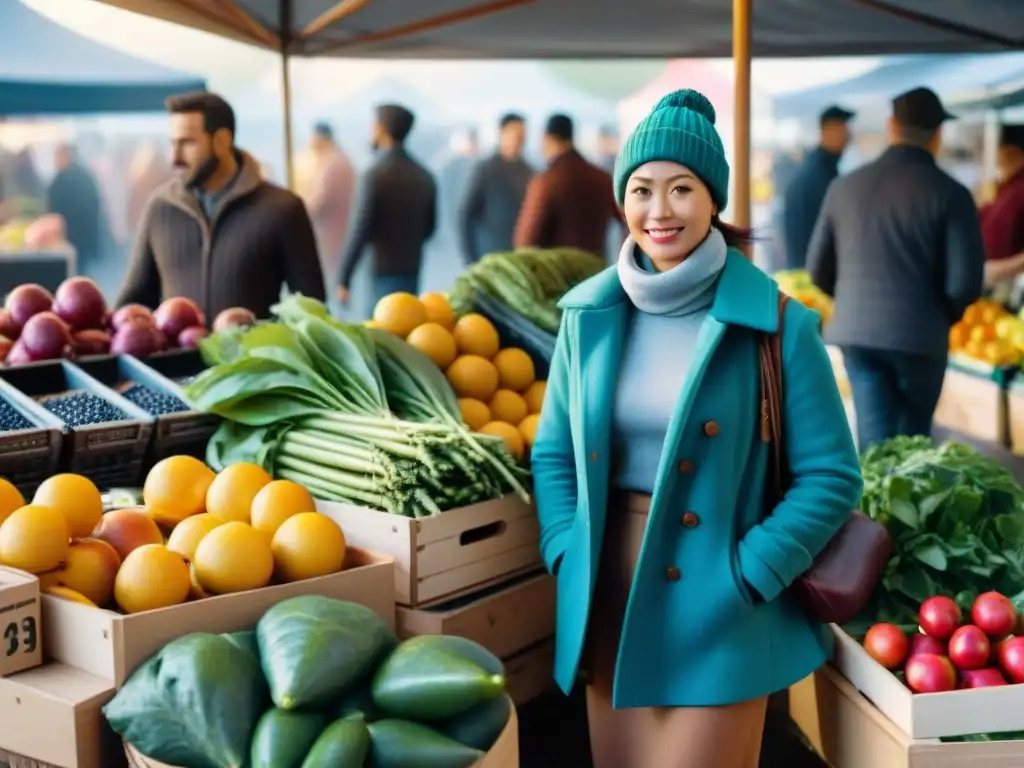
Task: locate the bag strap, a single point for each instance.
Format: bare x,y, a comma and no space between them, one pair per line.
770,357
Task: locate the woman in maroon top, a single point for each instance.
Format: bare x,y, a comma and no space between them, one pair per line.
1002,221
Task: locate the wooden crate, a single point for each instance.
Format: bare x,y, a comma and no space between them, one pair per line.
1015,418
504,619
530,672
973,406
440,558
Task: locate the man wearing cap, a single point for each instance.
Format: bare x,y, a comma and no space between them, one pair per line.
571,203
396,211
805,191
898,245
1002,220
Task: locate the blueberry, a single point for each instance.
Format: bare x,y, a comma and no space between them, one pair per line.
11,418
80,409
154,402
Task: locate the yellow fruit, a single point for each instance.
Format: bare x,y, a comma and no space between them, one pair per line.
515,369
473,376
371,324
475,335
508,433
474,413
308,545
233,557
65,593
75,497
90,568
176,488
10,499
230,495
277,502
151,577
434,341
438,309
534,396
528,428
34,539
1006,325
399,313
189,532
508,406
196,591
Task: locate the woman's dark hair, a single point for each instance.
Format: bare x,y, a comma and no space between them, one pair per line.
735,237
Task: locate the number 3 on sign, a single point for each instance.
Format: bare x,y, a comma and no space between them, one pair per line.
21,636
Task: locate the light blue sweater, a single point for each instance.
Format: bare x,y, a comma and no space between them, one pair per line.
668,311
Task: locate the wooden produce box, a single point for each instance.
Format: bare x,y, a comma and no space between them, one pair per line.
505,619
1015,417
458,552
930,715
30,455
51,717
973,405
530,672
848,732
112,645
21,646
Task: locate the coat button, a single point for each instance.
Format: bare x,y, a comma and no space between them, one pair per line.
685,467
672,573
690,520
711,428
593,456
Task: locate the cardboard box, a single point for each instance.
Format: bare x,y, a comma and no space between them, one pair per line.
52,716
531,672
21,645
505,620
449,555
112,645
848,732
929,715
973,405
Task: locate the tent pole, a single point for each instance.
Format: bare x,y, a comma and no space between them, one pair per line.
741,38
286,91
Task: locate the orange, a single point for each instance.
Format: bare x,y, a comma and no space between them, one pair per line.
10,499
34,539
434,341
476,335
233,557
508,433
528,429
399,313
278,501
508,406
308,545
958,335
473,376
66,593
230,495
474,413
175,488
438,310
187,534
77,498
534,396
151,577
983,333
972,315
515,369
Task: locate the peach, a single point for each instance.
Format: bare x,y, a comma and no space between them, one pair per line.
126,530
89,569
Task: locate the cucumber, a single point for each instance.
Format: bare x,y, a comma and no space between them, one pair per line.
480,726
403,744
343,744
283,738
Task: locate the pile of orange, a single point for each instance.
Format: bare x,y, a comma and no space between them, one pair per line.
498,390
989,334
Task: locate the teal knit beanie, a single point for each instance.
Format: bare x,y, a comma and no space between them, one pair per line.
680,129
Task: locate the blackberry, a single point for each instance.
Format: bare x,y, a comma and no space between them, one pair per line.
11,418
153,402
80,409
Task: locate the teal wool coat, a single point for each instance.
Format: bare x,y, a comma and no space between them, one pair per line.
702,639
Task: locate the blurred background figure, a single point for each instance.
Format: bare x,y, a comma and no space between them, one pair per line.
607,147
148,170
23,179
74,194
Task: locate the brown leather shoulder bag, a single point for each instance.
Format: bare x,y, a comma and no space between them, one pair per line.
843,576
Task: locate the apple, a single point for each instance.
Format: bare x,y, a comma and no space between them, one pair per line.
986,677
887,645
926,644
969,648
928,673
994,614
939,617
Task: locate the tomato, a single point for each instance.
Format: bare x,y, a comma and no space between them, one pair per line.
994,614
887,645
969,648
981,678
928,673
939,617
1010,654
926,644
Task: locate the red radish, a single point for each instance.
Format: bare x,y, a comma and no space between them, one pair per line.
18,355
927,673
140,339
886,644
233,318
5,347
131,313
981,678
969,648
27,300
80,303
994,614
190,337
44,336
926,644
175,315
939,617
91,342
8,327
1011,658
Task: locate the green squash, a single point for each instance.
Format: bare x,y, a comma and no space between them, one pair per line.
403,744
424,680
480,726
314,648
358,703
463,646
343,744
246,641
282,738
195,703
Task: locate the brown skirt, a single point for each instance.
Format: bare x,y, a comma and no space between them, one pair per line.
651,737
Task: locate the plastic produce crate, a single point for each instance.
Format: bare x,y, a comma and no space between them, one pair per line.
110,452
516,331
184,431
29,455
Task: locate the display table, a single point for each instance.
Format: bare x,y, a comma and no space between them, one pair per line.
48,268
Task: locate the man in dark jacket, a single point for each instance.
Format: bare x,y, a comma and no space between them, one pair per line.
75,196
805,191
218,234
569,204
396,213
497,186
898,245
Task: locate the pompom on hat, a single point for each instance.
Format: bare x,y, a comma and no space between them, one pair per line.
680,129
